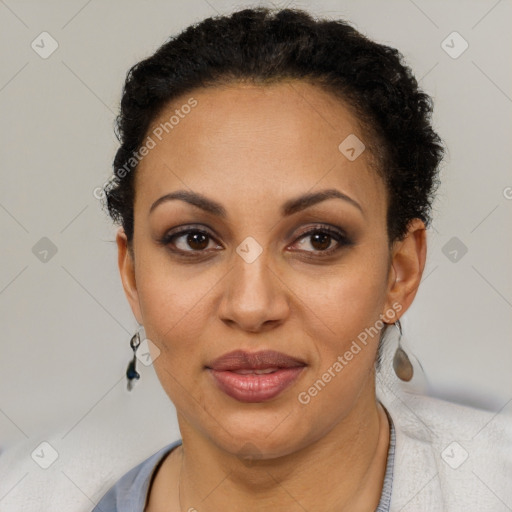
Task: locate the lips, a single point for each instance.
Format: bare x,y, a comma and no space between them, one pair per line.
255,377
263,360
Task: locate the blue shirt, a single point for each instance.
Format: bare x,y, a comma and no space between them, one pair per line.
129,494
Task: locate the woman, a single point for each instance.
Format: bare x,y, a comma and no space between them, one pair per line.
274,185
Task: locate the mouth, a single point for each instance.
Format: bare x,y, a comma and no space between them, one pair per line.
253,371
255,377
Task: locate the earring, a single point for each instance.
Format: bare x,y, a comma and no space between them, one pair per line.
401,362
131,372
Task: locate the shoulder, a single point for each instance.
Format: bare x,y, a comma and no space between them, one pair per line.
129,492
448,456
50,471
452,456
442,418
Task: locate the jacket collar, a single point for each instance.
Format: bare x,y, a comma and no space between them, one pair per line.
416,486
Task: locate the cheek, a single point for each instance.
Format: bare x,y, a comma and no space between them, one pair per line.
347,308
351,296
173,310
168,291
346,341
172,302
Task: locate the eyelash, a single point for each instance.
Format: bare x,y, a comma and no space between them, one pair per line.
338,236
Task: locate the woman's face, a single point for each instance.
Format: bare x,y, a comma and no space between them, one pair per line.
252,278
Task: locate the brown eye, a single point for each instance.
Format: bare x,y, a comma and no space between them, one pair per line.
188,241
197,240
322,239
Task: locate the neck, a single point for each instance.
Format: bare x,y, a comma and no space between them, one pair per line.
345,467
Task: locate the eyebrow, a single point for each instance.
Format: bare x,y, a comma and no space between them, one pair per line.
288,208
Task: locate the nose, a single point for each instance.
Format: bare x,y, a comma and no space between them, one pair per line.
255,298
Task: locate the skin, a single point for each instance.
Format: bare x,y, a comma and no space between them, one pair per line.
252,148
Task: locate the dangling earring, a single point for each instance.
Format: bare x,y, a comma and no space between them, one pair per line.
401,362
131,372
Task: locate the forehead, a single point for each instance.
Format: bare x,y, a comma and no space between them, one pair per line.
256,143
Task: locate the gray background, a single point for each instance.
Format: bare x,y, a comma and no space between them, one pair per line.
66,323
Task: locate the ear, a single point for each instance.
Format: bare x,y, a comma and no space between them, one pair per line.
406,268
127,272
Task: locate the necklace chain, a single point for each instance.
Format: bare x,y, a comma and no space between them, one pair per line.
179,480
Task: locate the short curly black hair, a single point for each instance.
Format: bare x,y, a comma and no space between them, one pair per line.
264,46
